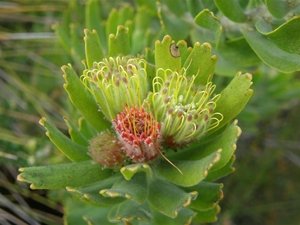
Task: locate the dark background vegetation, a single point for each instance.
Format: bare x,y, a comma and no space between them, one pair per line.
263,190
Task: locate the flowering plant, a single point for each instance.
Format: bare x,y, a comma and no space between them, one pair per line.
153,137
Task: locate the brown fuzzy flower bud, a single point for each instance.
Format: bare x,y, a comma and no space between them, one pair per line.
106,150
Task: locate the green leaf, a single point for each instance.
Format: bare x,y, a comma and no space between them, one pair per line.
77,50
234,98
90,192
93,21
207,216
93,15
151,5
278,8
125,14
192,171
178,7
86,129
82,99
232,9
167,198
76,136
234,56
80,213
184,216
284,36
93,49
142,23
135,189
201,62
130,170
119,44
72,150
209,195
167,56
128,211
184,50
62,30
62,175
209,28
271,53
178,26
225,141
112,22
222,172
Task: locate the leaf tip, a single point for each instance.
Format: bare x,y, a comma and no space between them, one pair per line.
33,187
20,177
42,122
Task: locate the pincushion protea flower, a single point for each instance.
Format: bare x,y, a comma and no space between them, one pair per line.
139,133
129,123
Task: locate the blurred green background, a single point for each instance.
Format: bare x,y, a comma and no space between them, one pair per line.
263,190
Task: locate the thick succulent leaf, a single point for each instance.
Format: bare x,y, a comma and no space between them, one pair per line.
76,136
209,195
125,14
222,172
232,9
167,198
82,99
209,27
207,216
70,149
235,55
135,189
192,171
184,216
90,192
130,170
93,15
112,22
93,49
167,54
225,141
178,26
119,43
61,30
62,175
284,36
176,6
201,62
128,211
93,21
77,50
86,129
278,8
234,98
80,213
142,22
279,48
151,5
184,50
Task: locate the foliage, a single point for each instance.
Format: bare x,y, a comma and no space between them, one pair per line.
252,35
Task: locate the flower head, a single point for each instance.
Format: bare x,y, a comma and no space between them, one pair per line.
139,133
186,111
116,83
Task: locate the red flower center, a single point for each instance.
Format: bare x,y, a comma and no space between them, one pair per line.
139,132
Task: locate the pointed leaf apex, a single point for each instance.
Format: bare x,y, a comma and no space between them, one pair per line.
42,122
